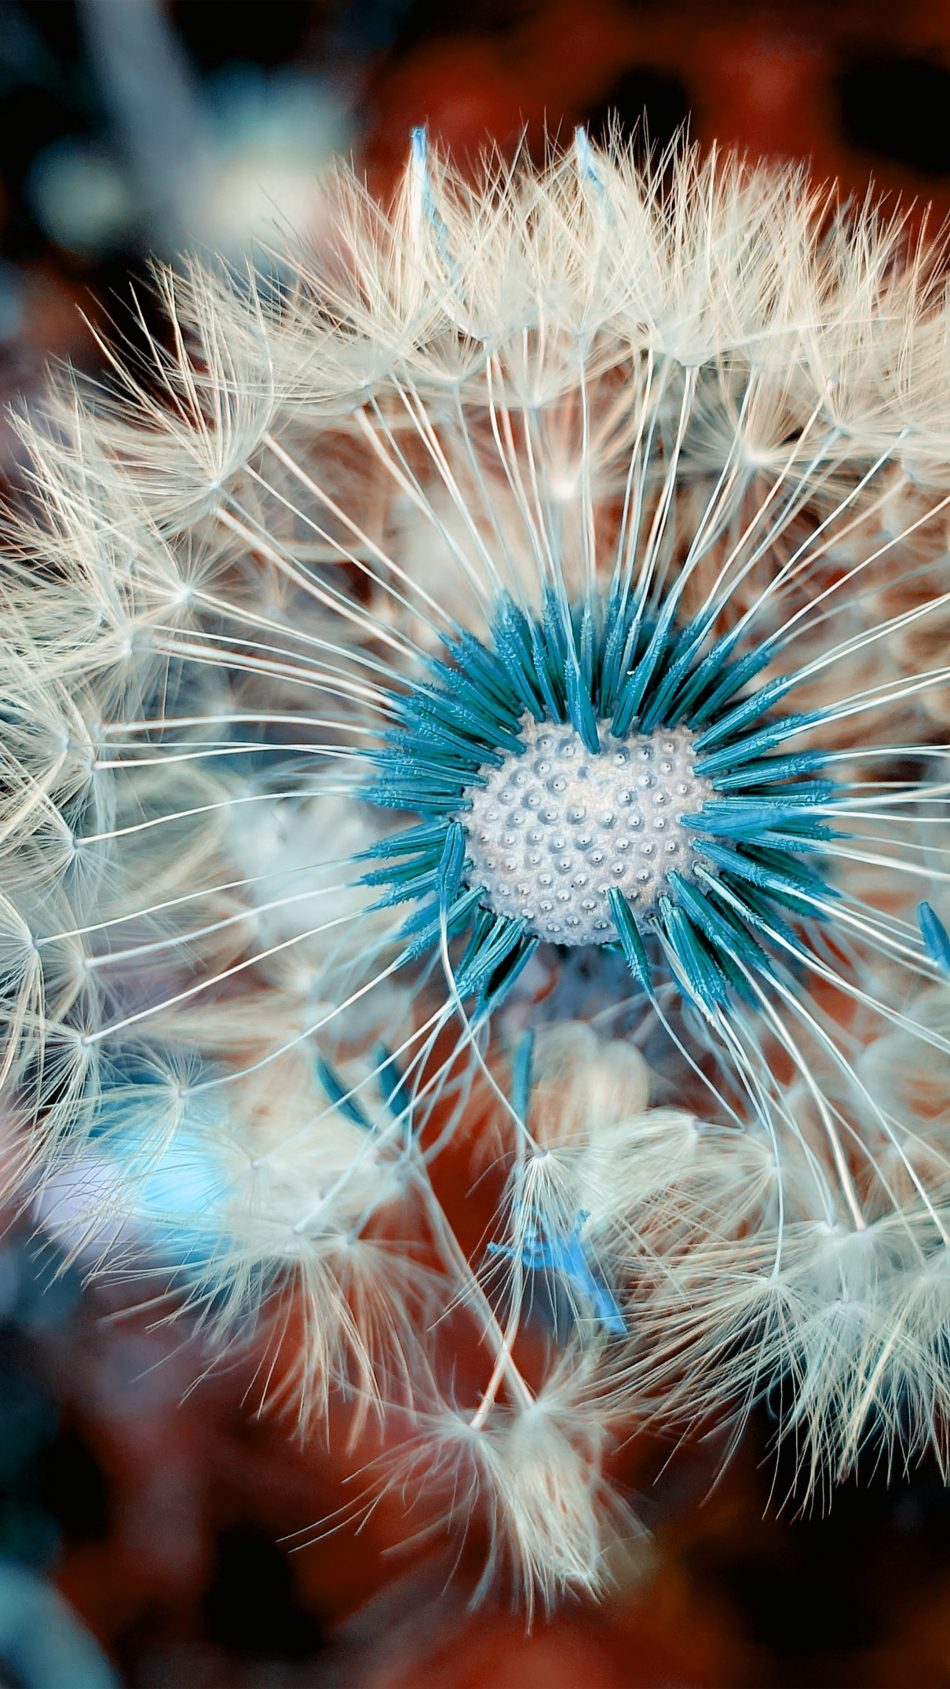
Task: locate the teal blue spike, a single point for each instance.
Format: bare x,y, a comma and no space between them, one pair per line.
720,930
417,754
399,890
452,682
466,681
784,882
463,719
421,749
782,863
619,638
751,820
451,744
505,974
665,707
721,820
475,663
747,711
773,769
631,943
736,675
512,636
700,672
581,709
431,800
429,835
435,780
634,689
799,834
743,750
756,907
558,633
677,654
449,872
508,937
397,1095
504,937
935,936
471,964
424,926
521,1072
550,677
801,799
482,923
586,648
403,870
340,1094
706,980
400,873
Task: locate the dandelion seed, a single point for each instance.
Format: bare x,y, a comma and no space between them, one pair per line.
486,698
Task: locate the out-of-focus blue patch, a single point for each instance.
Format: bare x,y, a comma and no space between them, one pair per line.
175,1195
42,1643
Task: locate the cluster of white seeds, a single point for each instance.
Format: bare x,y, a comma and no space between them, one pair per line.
552,830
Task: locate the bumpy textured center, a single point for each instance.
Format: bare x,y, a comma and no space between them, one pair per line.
551,831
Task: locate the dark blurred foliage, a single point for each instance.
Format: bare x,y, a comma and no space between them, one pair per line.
165,1516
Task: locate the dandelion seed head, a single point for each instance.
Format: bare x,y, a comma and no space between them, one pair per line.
571,536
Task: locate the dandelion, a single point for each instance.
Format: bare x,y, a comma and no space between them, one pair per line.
474,719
